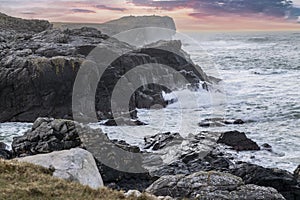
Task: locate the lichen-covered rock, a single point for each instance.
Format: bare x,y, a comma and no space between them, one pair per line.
210,185
73,165
283,181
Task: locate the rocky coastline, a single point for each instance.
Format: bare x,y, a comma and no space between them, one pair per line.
195,169
38,68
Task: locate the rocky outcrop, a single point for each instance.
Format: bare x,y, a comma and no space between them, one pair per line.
238,141
210,185
38,71
23,25
160,141
47,135
175,155
72,165
283,181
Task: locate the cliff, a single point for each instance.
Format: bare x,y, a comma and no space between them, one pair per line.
38,72
23,25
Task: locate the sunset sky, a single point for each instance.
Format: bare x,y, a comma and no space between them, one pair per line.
188,14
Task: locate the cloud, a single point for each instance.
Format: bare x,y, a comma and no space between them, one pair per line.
104,7
274,8
78,10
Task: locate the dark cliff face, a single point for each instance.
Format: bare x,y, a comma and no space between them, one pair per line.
38,70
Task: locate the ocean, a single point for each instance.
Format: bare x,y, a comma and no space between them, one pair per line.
260,74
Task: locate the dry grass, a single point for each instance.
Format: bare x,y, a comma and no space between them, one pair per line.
21,181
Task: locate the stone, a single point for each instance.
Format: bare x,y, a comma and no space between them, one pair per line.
238,141
160,141
73,165
283,181
210,185
47,135
218,122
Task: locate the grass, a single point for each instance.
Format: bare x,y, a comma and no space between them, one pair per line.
22,181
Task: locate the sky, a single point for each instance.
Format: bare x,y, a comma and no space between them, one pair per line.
188,14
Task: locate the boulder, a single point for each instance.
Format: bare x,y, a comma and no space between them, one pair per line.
283,181
73,165
238,141
47,135
210,185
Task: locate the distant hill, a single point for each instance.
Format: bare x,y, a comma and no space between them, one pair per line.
123,24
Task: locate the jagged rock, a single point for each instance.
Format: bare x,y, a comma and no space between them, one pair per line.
47,135
160,141
283,181
210,185
38,71
123,121
73,165
238,141
176,155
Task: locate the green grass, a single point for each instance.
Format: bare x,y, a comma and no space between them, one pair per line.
22,181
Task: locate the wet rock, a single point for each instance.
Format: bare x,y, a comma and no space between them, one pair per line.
73,165
160,141
218,122
238,141
47,135
210,185
267,147
123,122
184,156
283,181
